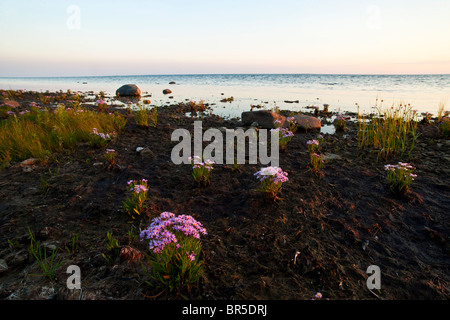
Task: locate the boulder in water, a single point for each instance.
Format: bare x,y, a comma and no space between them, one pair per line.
128,90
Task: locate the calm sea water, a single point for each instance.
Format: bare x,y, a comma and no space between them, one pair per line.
341,92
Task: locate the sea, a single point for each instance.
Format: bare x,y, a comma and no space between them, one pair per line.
296,92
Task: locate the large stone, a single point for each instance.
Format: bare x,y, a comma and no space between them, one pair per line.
264,118
307,122
128,90
11,103
167,91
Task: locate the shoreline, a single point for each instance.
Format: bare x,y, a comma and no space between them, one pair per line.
341,92
233,108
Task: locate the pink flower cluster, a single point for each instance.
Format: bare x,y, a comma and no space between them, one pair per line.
198,164
9,104
191,256
311,142
283,132
163,229
401,166
101,135
275,174
138,188
291,120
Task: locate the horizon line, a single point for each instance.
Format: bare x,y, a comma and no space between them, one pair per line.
214,74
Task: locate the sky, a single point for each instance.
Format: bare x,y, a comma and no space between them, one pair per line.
96,37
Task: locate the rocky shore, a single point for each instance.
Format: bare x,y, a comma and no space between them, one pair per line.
320,237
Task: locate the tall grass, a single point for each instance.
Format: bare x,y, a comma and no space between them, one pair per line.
441,112
143,115
42,131
392,131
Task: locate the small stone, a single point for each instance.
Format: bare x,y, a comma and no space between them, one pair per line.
130,255
331,156
3,266
50,246
29,162
146,152
139,149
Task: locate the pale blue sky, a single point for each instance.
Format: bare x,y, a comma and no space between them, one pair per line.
41,38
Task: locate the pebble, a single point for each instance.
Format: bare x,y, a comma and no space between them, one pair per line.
29,162
331,156
3,266
365,244
50,246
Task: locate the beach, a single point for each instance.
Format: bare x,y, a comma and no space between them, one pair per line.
323,233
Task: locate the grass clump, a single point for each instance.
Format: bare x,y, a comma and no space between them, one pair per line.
145,117
392,131
40,132
48,265
113,248
136,196
445,127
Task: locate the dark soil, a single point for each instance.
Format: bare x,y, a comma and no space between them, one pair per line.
321,237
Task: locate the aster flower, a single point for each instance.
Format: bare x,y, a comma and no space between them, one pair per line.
135,199
284,135
201,171
271,179
312,142
339,122
168,228
174,242
277,123
100,138
191,256
292,123
400,176
313,145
